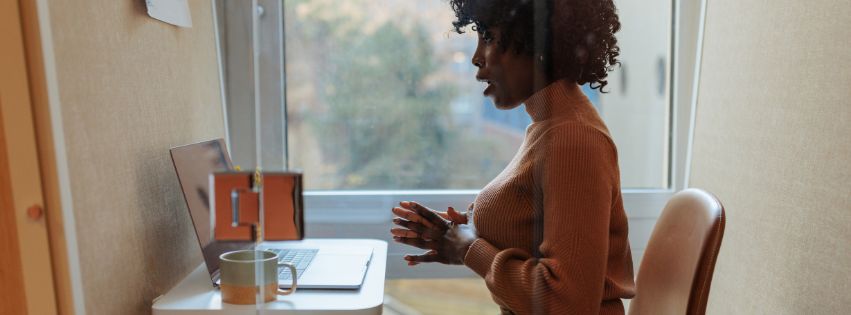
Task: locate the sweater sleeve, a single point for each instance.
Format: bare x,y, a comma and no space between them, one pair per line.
575,177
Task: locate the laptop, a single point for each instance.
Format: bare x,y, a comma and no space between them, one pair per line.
317,268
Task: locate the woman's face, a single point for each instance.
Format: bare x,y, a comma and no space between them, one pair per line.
509,75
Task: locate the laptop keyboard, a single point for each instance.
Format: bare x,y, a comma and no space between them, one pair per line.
300,258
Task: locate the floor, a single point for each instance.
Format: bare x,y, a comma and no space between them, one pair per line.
438,296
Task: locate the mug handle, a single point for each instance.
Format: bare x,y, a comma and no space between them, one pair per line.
295,279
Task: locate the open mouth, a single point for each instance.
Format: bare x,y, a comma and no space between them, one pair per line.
489,87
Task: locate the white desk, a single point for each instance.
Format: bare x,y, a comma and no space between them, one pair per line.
195,294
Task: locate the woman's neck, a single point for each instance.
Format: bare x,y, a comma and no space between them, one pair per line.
549,100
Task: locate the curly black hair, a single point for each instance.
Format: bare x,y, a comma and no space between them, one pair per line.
580,37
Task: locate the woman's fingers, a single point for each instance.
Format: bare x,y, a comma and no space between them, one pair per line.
400,232
410,215
429,215
407,213
422,231
430,256
410,225
415,242
456,217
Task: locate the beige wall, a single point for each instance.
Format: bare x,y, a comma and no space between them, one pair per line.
129,88
773,141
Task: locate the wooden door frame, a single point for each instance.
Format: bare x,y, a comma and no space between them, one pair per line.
11,279
34,17
28,168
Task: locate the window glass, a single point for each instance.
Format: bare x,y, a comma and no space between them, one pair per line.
381,95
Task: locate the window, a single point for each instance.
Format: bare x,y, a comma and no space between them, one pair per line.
378,102
381,95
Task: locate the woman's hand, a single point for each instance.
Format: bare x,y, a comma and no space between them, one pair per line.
405,212
447,240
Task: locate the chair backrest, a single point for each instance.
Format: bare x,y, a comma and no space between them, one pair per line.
676,270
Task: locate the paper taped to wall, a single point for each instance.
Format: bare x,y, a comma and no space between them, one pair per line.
174,12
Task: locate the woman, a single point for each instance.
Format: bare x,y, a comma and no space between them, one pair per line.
548,234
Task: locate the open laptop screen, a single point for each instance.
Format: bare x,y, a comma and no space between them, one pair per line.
193,164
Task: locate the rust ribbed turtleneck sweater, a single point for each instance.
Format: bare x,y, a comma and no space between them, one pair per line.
552,228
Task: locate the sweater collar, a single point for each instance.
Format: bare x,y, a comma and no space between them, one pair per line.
557,99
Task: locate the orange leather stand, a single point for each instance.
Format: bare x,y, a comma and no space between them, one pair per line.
282,202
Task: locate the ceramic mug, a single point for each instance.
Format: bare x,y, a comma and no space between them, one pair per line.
245,273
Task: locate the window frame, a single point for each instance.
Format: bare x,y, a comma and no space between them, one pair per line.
366,214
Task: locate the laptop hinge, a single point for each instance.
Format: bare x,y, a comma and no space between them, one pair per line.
216,278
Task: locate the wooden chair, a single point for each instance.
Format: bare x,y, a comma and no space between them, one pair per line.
676,270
